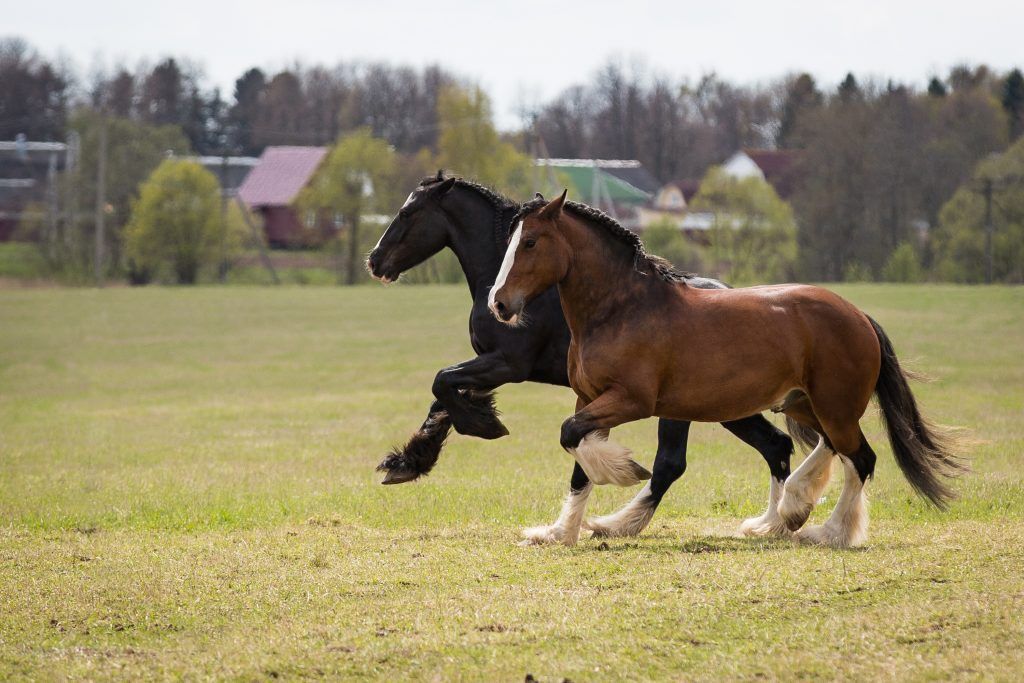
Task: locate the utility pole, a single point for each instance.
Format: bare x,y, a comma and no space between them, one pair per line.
222,266
101,200
72,174
52,206
989,228
257,236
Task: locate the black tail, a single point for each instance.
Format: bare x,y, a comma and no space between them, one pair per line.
921,449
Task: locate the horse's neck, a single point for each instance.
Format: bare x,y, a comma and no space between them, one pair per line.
602,283
474,244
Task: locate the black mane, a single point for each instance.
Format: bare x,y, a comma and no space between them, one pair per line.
502,204
655,264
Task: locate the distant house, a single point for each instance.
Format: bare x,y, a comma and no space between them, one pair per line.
231,172
670,203
271,187
617,186
775,166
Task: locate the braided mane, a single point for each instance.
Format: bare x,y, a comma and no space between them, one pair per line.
502,204
641,259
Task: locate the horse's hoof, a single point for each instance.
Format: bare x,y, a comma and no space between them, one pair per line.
495,431
490,429
399,476
765,525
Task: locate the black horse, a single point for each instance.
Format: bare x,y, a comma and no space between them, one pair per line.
473,222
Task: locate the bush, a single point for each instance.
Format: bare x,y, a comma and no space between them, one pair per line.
176,224
22,261
666,240
754,233
855,271
903,265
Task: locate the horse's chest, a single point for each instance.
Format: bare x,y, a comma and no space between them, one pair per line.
581,376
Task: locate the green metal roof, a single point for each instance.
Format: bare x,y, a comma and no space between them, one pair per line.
582,178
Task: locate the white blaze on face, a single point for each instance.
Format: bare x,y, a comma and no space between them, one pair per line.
408,201
506,264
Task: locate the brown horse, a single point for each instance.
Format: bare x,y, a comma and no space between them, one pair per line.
644,343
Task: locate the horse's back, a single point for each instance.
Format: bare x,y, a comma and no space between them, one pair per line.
812,322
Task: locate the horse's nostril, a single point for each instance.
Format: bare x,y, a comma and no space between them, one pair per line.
500,306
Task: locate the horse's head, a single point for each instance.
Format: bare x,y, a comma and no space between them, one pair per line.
419,231
537,257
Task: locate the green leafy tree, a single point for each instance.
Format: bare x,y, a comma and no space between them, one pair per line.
470,145
754,233
665,239
903,265
356,178
134,149
177,222
959,239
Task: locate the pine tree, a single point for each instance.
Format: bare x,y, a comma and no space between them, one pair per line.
1013,102
802,97
849,89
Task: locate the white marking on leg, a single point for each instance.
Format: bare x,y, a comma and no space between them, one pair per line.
847,526
506,265
606,462
630,520
770,523
566,529
804,486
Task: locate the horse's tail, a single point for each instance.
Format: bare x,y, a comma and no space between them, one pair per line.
802,434
923,450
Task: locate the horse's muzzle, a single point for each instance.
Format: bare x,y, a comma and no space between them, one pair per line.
508,314
375,269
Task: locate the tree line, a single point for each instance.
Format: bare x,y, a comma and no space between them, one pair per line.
878,160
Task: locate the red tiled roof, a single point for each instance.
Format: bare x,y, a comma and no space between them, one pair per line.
778,167
280,174
689,187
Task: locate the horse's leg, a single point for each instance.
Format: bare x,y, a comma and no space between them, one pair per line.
585,436
669,465
848,524
463,390
420,454
805,485
566,528
775,447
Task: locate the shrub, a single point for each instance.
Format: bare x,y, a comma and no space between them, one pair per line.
903,265
176,224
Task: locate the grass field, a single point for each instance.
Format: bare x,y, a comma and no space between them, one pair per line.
187,490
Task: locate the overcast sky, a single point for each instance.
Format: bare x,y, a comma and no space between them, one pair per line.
532,50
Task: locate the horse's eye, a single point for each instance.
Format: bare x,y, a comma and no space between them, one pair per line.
530,243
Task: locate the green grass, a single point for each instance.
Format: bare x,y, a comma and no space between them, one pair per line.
187,490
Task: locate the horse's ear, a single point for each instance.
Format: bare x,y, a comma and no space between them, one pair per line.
538,195
440,174
553,209
444,187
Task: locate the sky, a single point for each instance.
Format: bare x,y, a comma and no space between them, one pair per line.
527,52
